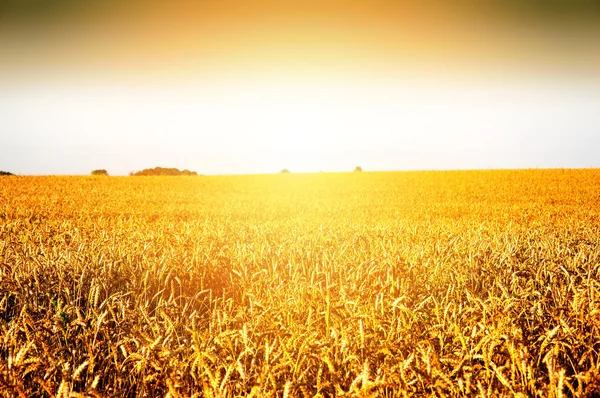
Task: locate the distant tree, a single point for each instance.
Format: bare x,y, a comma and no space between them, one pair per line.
100,172
6,173
358,169
162,171
284,171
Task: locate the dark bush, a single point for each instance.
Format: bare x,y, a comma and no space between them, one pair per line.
6,173
162,171
358,169
100,172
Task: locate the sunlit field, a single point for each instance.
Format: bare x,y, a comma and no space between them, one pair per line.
476,283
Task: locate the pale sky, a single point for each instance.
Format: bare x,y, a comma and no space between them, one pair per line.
225,128
253,87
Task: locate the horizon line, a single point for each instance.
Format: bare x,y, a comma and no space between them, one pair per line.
321,172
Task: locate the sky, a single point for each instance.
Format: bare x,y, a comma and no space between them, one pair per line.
238,86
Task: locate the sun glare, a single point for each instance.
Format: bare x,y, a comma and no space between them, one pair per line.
308,128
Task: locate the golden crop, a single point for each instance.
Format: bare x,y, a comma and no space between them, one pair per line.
354,284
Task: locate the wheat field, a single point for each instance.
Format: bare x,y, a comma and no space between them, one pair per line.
463,283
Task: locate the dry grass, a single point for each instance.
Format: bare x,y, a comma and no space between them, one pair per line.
479,283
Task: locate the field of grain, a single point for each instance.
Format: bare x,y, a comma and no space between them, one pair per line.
475,283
